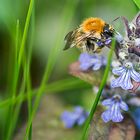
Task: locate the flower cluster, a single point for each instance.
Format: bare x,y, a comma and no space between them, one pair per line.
125,83
126,71
127,75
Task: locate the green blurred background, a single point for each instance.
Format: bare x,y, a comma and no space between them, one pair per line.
53,20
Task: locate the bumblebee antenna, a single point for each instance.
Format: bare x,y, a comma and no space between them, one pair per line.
112,23
123,19
115,19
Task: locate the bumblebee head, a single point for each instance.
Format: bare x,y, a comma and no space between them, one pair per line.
108,31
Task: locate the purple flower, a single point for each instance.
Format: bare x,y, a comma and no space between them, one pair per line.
108,42
78,116
114,105
100,43
91,61
126,74
119,37
104,43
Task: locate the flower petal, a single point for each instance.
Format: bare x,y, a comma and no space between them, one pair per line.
104,61
108,41
97,66
117,117
85,61
123,81
78,110
112,110
135,75
118,71
78,116
124,106
117,82
106,116
69,119
115,113
81,120
69,123
84,57
126,84
65,115
107,102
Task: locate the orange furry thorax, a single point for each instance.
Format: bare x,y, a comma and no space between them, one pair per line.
93,24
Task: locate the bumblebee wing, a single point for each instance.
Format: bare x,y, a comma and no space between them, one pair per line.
69,39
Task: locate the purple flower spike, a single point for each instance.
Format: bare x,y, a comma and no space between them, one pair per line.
126,74
114,105
78,116
91,61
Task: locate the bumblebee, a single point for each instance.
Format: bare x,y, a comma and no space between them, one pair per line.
91,36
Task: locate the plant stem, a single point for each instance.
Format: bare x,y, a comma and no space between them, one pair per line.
94,106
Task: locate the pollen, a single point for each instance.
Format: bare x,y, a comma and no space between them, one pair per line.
93,24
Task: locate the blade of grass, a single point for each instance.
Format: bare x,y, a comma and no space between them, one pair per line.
13,89
17,107
137,2
62,85
28,77
59,86
21,51
69,8
25,32
17,41
94,106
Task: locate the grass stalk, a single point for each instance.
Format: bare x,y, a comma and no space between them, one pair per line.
52,88
51,62
18,105
95,103
18,65
13,90
28,76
